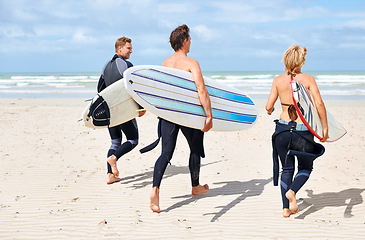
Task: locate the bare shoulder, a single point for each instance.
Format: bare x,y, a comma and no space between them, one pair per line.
308,80
167,61
193,64
192,61
308,77
279,78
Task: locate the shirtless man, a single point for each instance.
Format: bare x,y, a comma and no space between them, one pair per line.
180,41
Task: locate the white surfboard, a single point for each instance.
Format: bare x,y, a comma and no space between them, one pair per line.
307,111
111,107
172,95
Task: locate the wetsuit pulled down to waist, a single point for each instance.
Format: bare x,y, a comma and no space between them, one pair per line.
298,127
289,140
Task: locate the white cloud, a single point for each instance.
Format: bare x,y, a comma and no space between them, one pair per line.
264,11
242,29
354,24
80,37
204,33
174,8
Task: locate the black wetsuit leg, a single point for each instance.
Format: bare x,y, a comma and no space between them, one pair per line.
169,133
288,162
195,141
130,130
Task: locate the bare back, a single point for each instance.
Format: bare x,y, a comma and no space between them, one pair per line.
179,61
281,89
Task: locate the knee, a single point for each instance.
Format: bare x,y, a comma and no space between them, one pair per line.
133,142
305,169
288,170
115,143
167,155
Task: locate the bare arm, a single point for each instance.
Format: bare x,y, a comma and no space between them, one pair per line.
320,107
202,94
272,98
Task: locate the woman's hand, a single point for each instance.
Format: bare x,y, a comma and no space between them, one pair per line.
325,135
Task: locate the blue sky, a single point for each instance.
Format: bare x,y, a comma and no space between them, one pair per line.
230,35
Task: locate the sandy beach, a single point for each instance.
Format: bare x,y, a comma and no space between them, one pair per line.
53,172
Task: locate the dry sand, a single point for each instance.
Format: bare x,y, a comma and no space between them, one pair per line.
52,173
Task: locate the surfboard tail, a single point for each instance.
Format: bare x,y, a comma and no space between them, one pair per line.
99,112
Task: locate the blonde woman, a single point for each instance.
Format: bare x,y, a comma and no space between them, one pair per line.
291,133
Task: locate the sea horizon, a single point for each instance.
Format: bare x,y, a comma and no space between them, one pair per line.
256,84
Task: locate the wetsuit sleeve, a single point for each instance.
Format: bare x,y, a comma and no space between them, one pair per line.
275,158
101,84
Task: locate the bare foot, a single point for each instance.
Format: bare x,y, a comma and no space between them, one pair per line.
112,179
286,212
112,160
293,206
155,200
200,189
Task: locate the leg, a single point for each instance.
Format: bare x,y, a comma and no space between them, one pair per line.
285,183
117,150
287,163
305,167
195,141
194,167
293,206
300,179
116,139
111,177
155,200
130,130
169,133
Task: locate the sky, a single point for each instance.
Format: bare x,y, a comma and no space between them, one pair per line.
229,35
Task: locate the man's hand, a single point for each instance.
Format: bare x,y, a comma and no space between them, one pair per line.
208,124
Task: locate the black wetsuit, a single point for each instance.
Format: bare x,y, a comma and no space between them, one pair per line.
112,72
168,132
291,139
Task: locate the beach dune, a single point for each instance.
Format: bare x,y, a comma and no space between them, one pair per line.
53,172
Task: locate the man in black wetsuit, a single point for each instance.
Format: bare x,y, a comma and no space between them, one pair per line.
112,72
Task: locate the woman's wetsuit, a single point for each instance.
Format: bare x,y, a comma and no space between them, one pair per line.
291,139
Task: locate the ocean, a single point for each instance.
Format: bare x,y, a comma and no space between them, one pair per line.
332,84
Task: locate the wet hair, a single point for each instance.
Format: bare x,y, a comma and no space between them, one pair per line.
294,59
121,42
178,37
292,112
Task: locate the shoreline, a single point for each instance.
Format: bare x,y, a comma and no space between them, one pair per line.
53,172
260,102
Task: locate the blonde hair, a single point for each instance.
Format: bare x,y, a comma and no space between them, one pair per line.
121,42
294,59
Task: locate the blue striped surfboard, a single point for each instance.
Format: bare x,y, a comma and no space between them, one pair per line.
172,95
